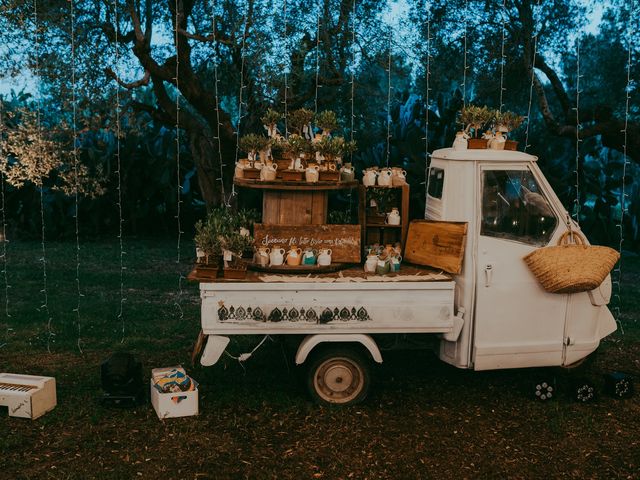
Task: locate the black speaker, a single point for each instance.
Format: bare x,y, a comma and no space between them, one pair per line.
121,376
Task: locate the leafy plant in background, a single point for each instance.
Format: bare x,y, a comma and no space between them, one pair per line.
299,120
327,121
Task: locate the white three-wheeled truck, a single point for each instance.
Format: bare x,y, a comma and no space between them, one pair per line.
493,315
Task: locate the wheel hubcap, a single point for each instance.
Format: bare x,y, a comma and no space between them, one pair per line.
338,380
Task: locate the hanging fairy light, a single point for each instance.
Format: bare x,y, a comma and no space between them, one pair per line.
576,172
315,103
76,185
617,281
286,80
119,177
502,55
217,99
240,93
43,259
388,154
533,70
179,184
426,118
465,67
3,219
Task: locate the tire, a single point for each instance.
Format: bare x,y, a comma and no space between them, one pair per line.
339,376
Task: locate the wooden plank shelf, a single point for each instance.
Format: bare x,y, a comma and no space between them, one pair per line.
291,185
381,225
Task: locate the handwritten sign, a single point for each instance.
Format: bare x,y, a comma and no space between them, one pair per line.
343,240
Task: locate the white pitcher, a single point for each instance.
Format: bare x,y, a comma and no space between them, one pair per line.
371,263
311,174
385,177
324,257
262,256
460,142
276,257
498,142
393,217
369,178
399,176
268,172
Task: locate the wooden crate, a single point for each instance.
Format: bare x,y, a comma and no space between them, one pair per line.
437,244
291,207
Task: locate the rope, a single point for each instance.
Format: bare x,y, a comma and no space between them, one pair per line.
243,357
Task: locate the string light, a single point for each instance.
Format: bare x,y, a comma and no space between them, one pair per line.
623,197
119,176
426,119
533,70
179,184
286,81
315,103
3,219
578,128
465,67
45,304
502,55
389,100
240,101
75,171
215,88
353,86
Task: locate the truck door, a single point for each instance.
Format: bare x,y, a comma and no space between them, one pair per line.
517,323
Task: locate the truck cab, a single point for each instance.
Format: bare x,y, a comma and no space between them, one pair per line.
511,210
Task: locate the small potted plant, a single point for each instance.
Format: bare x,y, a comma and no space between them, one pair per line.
300,122
207,239
327,122
330,148
234,244
270,122
475,118
252,144
507,122
296,146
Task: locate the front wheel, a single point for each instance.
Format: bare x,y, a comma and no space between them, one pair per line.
339,376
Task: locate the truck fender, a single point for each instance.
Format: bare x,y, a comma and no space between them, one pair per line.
213,350
312,341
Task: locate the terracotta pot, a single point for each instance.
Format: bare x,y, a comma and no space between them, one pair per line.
235,271
477,143
511,145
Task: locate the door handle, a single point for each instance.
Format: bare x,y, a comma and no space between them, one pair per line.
488,274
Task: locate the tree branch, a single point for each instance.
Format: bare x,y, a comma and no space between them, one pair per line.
556,83
131,85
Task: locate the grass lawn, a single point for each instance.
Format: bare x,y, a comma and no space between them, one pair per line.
423,419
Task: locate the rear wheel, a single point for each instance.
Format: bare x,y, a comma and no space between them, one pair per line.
339,376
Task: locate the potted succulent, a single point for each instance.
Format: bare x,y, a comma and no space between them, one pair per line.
507,122
270,122
327,122
252,144
300,122
234,244
475,118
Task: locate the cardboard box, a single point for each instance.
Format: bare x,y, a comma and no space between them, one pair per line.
173,404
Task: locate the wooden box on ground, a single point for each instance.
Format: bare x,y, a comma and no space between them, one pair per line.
27,396
173,404
437,244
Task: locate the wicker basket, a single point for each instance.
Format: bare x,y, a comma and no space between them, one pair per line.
571,267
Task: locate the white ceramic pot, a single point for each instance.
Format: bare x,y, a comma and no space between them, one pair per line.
324,257
369,178
385,177
276,257
497,143
311,174
393,217
268,172
371,263
262,256
460,142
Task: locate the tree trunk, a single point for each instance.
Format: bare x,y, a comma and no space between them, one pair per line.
204,150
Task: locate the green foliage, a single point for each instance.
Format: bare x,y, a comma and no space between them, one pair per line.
296,144
327,121
476,118
333,147
299,118
271,117
509,120
252,143
221,230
